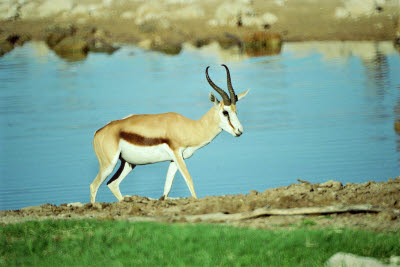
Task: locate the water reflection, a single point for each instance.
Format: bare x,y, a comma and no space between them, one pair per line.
377,70
316,111
337,51
374,57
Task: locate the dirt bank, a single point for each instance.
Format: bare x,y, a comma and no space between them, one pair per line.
370,205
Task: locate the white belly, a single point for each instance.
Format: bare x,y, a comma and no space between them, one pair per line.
140,155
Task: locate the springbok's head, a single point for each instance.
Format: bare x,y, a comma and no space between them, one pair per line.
226,108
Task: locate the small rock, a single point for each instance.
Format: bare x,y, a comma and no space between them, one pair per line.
9,41
332,184
321,190
367,184
170,48
269,18
75,204
201,42
73,48
97,205
127,199
254,192
5,47
101,46
56,33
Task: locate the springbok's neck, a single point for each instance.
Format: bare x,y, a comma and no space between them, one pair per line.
210,124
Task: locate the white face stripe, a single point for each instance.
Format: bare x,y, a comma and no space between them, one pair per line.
230,123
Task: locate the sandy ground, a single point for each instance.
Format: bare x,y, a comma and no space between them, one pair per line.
379,202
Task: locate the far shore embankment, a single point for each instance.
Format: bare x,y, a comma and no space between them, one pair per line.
258,27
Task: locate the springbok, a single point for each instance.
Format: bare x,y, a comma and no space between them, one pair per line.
146,139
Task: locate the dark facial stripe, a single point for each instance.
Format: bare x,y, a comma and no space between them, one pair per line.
229,121
139,140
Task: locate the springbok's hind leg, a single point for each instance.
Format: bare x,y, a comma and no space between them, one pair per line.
104,172
114,182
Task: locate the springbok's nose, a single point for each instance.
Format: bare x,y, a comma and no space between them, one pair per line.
238,133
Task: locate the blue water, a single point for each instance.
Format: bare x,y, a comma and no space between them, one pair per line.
317,111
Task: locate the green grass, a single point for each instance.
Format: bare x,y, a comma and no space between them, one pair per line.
92,242
308,222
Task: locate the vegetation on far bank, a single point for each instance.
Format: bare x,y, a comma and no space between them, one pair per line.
94,242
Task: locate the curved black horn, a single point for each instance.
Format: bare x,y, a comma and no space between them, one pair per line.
229,83
224,95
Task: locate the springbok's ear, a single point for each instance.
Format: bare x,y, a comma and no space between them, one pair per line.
213,99
242,94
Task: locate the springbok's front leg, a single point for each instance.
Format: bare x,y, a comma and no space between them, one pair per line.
170,178
178,158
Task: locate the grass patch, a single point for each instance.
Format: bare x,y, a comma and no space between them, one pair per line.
92,242
308,222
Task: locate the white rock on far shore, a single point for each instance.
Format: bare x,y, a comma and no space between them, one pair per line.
128,15
228,13
269,18
188,12
53,7
150,11
280,2
8,9
357,8
108,2
83,10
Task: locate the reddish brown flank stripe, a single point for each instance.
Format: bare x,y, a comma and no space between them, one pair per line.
137,139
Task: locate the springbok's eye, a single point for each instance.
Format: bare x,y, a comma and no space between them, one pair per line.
225,113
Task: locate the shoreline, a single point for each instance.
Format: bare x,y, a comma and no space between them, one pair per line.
371,205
